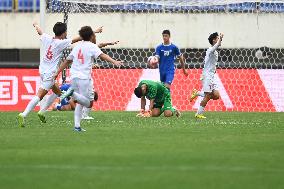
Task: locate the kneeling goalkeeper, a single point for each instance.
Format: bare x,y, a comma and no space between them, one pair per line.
160,99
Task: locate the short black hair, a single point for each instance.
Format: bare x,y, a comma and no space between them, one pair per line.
86,33
166,32
59,28
212,36
138,92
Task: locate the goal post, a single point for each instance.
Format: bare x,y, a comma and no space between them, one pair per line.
251,59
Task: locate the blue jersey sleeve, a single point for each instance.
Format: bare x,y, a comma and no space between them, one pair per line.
65,87
177,51
158,51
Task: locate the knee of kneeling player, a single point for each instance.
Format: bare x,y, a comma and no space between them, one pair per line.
168,113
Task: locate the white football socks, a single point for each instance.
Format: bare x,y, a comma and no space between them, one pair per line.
48,103
81,99
86,111
200,110
32,104
200,93
78,115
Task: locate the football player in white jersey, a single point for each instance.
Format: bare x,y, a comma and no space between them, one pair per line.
94,94
52,48
81,58
209,85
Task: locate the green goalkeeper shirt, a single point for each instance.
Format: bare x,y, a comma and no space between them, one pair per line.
155,90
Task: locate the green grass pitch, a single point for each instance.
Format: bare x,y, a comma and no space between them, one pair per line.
227,150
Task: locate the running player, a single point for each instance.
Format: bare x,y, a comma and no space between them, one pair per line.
210,88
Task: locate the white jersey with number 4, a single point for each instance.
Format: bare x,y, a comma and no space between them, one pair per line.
83,55
210,62
52,49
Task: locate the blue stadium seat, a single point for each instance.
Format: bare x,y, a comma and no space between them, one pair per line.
271,7
6,5
28,5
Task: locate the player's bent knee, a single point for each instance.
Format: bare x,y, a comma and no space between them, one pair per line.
168,113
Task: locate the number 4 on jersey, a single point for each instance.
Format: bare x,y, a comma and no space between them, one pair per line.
81,56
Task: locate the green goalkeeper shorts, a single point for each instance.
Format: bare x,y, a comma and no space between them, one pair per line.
166,104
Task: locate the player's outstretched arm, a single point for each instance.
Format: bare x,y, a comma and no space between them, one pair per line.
76,39
101,45
99,30
62,67
107,58
38,29
182,63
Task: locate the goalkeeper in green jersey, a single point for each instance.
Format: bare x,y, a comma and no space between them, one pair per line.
160,99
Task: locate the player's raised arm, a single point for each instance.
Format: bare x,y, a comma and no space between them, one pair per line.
101,45
99,30
107,58
38,29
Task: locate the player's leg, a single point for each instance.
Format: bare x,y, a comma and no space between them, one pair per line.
202,106
215,95
43,90
83,91
169,79
77,118
168,108
215,92
156,112
195,93
86,110
207,88
56,93
73,91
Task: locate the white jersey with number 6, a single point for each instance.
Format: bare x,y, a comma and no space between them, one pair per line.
52,49
83,55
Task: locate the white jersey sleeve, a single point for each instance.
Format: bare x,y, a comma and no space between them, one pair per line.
96,51
44,37
65,43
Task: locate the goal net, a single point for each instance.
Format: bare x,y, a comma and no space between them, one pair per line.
251,60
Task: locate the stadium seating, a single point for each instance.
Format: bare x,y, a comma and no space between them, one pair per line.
56,5
27,5
6,5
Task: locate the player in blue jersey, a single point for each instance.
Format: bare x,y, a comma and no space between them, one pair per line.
167,53
67,103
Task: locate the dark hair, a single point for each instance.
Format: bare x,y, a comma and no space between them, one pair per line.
138,92
212,37
86,33
166,32
59,28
